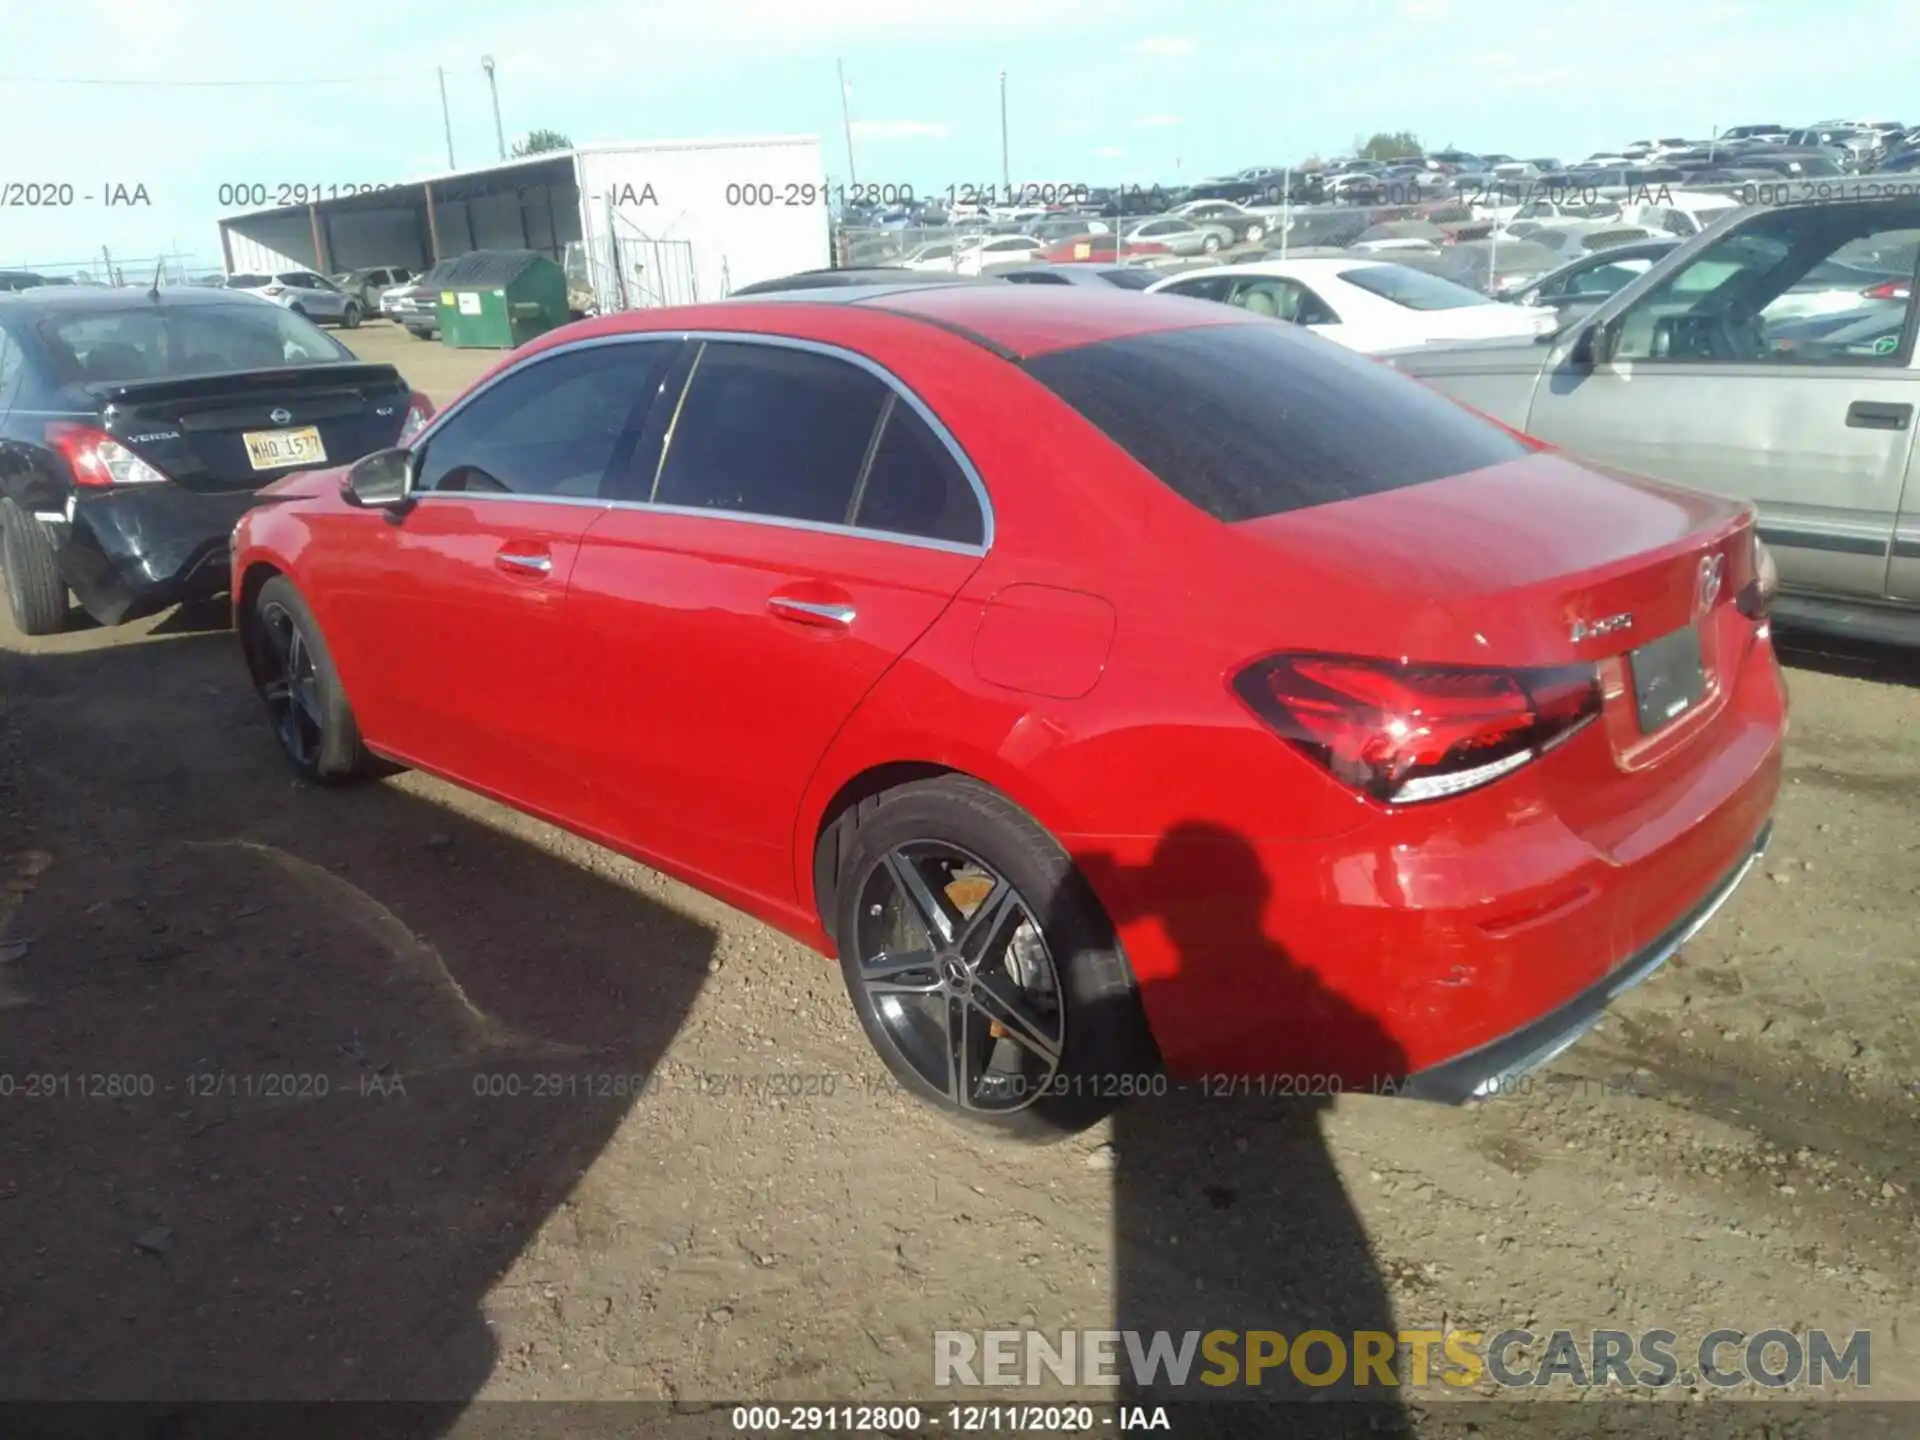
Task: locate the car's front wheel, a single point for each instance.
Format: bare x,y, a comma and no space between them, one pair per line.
980,964
351,319
1256,233
293,672
1211,244
36,595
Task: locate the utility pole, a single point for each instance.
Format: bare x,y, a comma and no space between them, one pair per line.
1006,176
486,64
846,119
446,116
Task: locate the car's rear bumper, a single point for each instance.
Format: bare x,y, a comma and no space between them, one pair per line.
133,550
1492,1069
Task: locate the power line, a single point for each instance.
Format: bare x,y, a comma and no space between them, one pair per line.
201,84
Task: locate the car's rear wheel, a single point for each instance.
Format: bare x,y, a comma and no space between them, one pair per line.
293,671
352,317
36,595
1255,233
1211,244
980,964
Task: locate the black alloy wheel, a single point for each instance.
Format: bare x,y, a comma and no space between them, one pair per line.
291,687
958,973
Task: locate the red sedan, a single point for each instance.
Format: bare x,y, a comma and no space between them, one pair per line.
1085,249
1120,686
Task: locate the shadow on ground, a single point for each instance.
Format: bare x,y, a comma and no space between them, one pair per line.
295,1075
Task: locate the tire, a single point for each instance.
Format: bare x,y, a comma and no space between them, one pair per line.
1049,958
311,718
298,311
1211,244
36,594
351,319
1255,234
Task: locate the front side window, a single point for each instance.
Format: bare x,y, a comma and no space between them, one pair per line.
1749,297
550,428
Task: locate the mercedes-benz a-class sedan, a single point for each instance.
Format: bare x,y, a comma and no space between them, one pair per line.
1120,686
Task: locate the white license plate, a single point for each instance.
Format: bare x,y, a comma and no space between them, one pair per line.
1083,252
275,449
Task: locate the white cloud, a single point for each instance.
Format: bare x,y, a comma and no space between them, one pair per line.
1157,122
1163,47
901,130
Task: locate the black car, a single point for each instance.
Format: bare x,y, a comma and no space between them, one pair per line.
135,427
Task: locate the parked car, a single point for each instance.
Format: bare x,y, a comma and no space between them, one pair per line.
992,251
1123,277
1100,250
998,773
1492,267
304,293
11,280
1777,133
933,255
367,285
1180,237
1680,375
136,427
863,276
1364,305
417,305
1579,285
1243,224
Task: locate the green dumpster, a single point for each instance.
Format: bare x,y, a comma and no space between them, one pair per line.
497,299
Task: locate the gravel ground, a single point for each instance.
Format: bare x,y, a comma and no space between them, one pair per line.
419,1098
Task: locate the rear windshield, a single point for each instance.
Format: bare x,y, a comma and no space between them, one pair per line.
1130,279
1415,289
248,282
164,344
1251,420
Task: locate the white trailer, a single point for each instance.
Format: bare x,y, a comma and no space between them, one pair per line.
658,222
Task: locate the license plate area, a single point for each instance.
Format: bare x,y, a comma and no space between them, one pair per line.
277,449
1669,679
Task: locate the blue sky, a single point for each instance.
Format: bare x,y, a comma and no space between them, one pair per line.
1099,90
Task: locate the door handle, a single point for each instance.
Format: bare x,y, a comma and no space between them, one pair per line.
1878,415
513,560
810,612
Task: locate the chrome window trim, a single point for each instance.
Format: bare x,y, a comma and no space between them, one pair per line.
748,337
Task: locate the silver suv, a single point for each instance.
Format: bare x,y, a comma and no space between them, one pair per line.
1770,358
304,293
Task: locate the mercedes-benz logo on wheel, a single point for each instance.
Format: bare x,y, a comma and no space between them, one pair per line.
281,416
1711,570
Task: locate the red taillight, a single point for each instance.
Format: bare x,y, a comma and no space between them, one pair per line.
1402,733
1888,290
419,412
96,458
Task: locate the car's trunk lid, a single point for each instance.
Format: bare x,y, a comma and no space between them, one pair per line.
195,430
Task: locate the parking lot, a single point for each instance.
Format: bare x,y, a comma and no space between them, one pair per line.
622,1141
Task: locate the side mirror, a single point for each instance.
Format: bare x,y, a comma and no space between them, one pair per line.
1589,348
382,480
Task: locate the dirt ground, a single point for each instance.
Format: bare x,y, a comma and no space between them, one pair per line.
390,1093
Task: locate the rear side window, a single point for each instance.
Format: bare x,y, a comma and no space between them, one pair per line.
765,430
1415,289
913,485
1253,420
